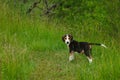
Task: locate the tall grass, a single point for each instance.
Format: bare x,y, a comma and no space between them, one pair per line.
33,50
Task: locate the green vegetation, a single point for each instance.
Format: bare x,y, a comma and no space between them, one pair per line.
31,47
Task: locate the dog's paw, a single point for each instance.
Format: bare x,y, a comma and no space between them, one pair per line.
71,57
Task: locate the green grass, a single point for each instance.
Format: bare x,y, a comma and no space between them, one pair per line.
33,50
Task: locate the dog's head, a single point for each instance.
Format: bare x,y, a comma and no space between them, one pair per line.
67,38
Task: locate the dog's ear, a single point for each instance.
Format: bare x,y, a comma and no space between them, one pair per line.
63,38
71,37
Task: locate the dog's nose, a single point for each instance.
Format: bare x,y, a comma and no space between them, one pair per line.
67,42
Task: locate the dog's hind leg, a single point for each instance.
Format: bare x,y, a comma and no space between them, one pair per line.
87,53
89,59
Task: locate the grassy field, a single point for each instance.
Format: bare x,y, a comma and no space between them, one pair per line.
31,49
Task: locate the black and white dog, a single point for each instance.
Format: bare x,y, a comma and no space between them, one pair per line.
80,47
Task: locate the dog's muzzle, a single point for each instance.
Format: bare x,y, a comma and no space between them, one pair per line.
68,42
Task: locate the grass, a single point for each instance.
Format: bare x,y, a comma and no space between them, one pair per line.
33,50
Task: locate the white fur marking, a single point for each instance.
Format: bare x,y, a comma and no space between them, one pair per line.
89,59
67,40
71,57
103,45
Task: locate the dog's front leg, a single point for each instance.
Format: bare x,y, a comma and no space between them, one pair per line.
71,56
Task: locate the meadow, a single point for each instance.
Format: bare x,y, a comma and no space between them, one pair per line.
32,49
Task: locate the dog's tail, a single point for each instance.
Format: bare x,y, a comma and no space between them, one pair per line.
98,44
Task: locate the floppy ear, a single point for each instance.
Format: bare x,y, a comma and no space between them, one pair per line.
71,37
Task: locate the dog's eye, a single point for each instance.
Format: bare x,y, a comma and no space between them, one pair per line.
64,38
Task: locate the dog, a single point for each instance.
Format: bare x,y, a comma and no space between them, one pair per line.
80,47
